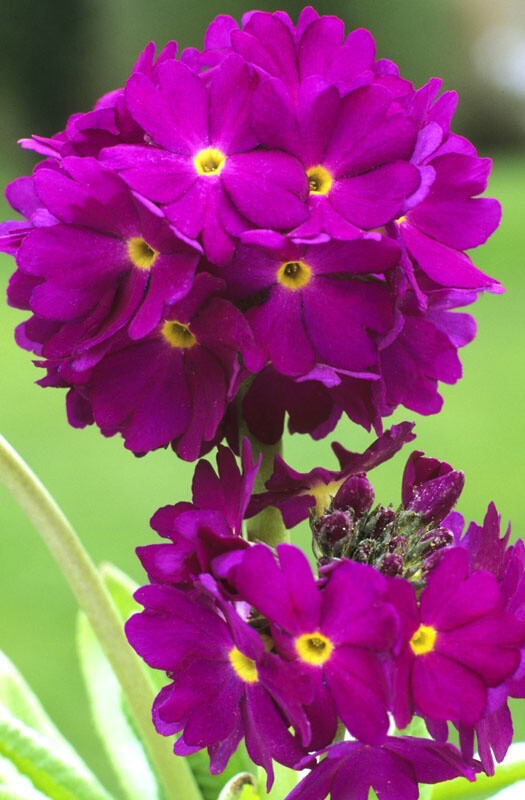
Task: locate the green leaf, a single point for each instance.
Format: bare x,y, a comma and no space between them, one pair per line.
249,793
121,588
38,758
112,722
17,696
12,781
16,793
508,773
510,792
240,787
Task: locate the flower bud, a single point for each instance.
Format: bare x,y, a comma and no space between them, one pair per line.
333,531
436,539
364,551
356,493
398,544
435,498
392,564
385,517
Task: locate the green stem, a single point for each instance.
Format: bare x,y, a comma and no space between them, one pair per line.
268,526
95,601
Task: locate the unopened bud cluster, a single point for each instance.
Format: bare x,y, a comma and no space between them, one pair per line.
396,542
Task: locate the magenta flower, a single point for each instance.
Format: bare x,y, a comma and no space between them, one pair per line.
355,151
393,770
307,281
489,551
206,170
174,384
316,46
340,651
210,527
424,349
448,217
459,643
224,684
105,261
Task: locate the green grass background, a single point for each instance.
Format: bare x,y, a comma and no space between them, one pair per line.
109,495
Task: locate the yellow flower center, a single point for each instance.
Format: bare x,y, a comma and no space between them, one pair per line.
209,161
314,648
401,220
140,253
294,274
423,641
178,335
319,179
244,667
324,493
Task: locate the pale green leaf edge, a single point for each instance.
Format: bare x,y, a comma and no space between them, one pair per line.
112,723
35,756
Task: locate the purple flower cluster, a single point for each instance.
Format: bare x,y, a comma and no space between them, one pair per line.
256,646
281,212
276,226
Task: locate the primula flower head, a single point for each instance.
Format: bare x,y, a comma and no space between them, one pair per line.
406,616
328,194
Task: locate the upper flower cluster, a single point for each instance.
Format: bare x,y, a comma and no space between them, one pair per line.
282,207
256,645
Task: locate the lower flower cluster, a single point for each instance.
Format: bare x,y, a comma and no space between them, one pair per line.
321,671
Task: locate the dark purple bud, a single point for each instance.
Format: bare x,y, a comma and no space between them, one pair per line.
420,469
392,564
335,526
385,518
398,544
332,533
364,551
442,536
356,493
434,540
433,500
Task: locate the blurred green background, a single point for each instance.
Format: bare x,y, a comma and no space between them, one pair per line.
57,57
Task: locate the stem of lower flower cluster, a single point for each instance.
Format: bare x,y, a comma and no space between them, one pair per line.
95,601
268,526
